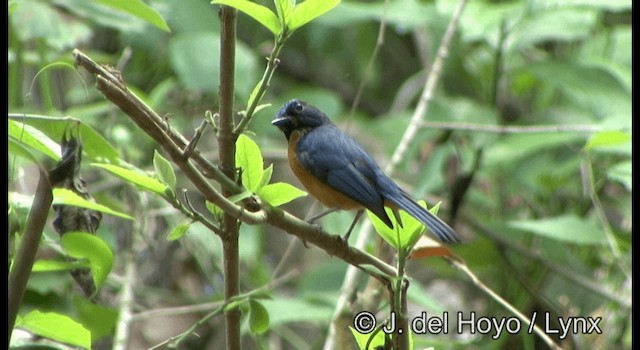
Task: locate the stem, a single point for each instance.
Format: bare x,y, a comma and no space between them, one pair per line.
25,256
227,148
261,88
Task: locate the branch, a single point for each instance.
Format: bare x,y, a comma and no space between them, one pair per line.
464,268
227,155
511,129
151,119
143,116
26,254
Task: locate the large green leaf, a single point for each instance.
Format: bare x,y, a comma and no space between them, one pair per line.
249,160
622,172
34,139
280,193
566,228
94,145
202,71
557,24
56,326
400,237
136,178
258,317
63,196
82,245
258,12
164,170
308,10
140,10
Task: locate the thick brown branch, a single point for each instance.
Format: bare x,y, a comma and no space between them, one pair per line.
26,254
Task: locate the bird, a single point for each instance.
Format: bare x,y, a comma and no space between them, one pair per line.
339,172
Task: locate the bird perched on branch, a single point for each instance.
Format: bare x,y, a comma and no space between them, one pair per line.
338,171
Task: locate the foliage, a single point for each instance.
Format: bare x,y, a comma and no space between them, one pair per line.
533,106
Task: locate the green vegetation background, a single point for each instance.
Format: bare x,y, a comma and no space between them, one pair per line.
556,184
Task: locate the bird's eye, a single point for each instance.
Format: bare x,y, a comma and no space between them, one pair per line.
298,107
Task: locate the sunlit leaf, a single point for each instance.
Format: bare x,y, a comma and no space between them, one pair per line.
308,10
33,139
249,160
279,193
260,13
608,138
140,10
179,231
46,265
81,245
258,317
56,326
63,196
164,169
133,177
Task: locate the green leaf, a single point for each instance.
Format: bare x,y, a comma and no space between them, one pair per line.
133,177
260,13
82,245
100,320
63,196
610,138
363,339
280,193
34,139
401,237
283,9
94,145
16,148
258,317
240,196
140,10
56,326
164,170
179,231
289,310
309,10
200,72
566,228
554,25
214,209
621,172
46,265
266,176
249,159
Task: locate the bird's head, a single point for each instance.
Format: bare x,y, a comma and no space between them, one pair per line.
298,115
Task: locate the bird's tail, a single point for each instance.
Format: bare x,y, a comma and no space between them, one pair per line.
439,228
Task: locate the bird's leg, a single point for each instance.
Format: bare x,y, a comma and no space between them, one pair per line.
353,224
328,211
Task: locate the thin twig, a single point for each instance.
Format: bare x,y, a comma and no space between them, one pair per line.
209,306
495,296
608,231
427,94
372,59
121,338
566,272
511,129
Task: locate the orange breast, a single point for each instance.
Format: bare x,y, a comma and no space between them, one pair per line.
328,196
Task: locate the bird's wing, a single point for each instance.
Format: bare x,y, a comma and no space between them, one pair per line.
339,161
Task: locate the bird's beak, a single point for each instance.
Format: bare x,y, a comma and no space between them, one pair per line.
279,121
